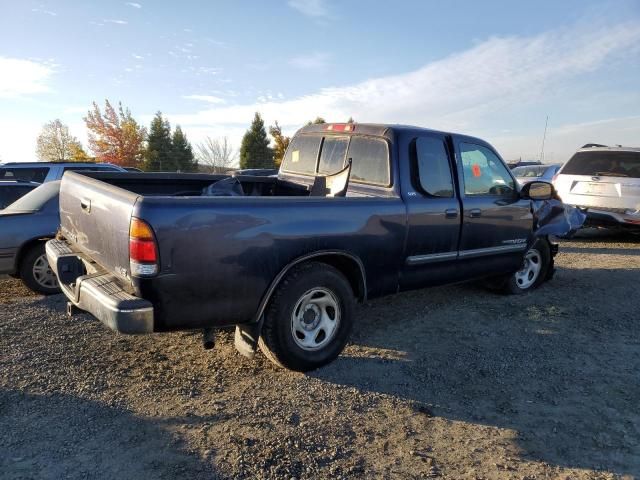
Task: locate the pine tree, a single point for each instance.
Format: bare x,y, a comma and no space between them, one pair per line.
254,150
183,158
158,155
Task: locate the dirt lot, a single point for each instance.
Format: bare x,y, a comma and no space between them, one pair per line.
450,382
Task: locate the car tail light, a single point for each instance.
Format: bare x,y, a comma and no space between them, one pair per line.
143,251
340,127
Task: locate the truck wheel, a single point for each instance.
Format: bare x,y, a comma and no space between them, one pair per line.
36,273
309,318
534,269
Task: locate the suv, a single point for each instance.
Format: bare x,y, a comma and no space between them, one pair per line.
41,172
606,182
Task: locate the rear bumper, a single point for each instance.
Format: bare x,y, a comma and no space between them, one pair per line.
605,218
100,293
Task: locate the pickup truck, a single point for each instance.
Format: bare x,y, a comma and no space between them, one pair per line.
285,264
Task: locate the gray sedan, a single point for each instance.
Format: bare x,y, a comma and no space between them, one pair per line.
25,225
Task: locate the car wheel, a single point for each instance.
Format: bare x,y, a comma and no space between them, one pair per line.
309,319
535,266
36,273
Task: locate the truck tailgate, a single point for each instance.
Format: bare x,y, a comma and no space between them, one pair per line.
95,217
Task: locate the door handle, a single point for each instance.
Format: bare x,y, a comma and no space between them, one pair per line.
85,204
475,212
451,213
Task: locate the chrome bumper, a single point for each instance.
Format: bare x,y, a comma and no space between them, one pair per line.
100,293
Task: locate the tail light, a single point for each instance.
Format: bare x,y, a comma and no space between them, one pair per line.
143,251
340,127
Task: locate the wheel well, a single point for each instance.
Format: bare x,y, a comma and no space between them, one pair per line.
25,248
350,268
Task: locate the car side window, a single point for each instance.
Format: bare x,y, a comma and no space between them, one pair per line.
302,154
37,174
370,158
332,156
484,173
434,168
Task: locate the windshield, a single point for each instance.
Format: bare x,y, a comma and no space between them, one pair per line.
36,198
604,163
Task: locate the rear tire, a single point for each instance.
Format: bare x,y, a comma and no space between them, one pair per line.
309,318
36,273
534,271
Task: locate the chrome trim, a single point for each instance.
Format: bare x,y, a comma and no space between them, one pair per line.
481,252
431,258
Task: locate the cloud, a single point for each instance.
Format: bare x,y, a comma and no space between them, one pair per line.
310,8
462,92
117,22
313,61
45,12
137,57
133,4
23,77
205,98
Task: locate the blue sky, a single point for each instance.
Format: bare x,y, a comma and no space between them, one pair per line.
493,69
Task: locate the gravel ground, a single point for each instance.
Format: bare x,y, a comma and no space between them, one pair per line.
452,382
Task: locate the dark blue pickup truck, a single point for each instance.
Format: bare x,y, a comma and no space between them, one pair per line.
285,262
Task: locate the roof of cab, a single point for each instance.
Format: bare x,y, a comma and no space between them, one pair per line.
376,129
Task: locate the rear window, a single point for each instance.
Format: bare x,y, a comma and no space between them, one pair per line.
35,174
370,158
332,155
434,171
604,163
302,155
529,172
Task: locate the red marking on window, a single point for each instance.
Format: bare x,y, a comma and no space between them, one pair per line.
475,169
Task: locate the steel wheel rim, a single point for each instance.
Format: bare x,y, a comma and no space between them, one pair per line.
43,274
530,271
315,319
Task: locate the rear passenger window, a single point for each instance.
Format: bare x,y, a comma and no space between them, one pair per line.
36,174
302,155
370,160
434,170
332,156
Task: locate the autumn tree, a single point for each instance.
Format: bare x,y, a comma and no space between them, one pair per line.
56,144
158,154
280,141
216,154
115,137
254,149
182,152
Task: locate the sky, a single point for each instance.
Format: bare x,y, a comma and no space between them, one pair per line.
494,69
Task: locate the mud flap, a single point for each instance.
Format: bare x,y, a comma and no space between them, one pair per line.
246,338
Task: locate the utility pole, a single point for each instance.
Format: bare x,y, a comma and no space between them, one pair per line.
544,136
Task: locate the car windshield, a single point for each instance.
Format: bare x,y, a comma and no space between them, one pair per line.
36,199
529,171
604,163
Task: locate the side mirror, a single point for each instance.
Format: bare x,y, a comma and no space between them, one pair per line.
537,191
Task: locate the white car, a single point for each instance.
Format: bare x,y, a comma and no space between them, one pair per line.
606,182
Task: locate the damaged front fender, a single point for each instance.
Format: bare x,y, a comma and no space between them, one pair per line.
552,217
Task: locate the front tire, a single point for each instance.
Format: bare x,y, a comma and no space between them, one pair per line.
309,319
534,271
36,273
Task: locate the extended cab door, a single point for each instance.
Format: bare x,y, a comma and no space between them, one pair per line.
433,210
496,224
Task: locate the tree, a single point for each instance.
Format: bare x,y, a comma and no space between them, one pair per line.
115,136
183,159
158,156
281,142
78,154
317,121
351,120
56,144
254,149
216,154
